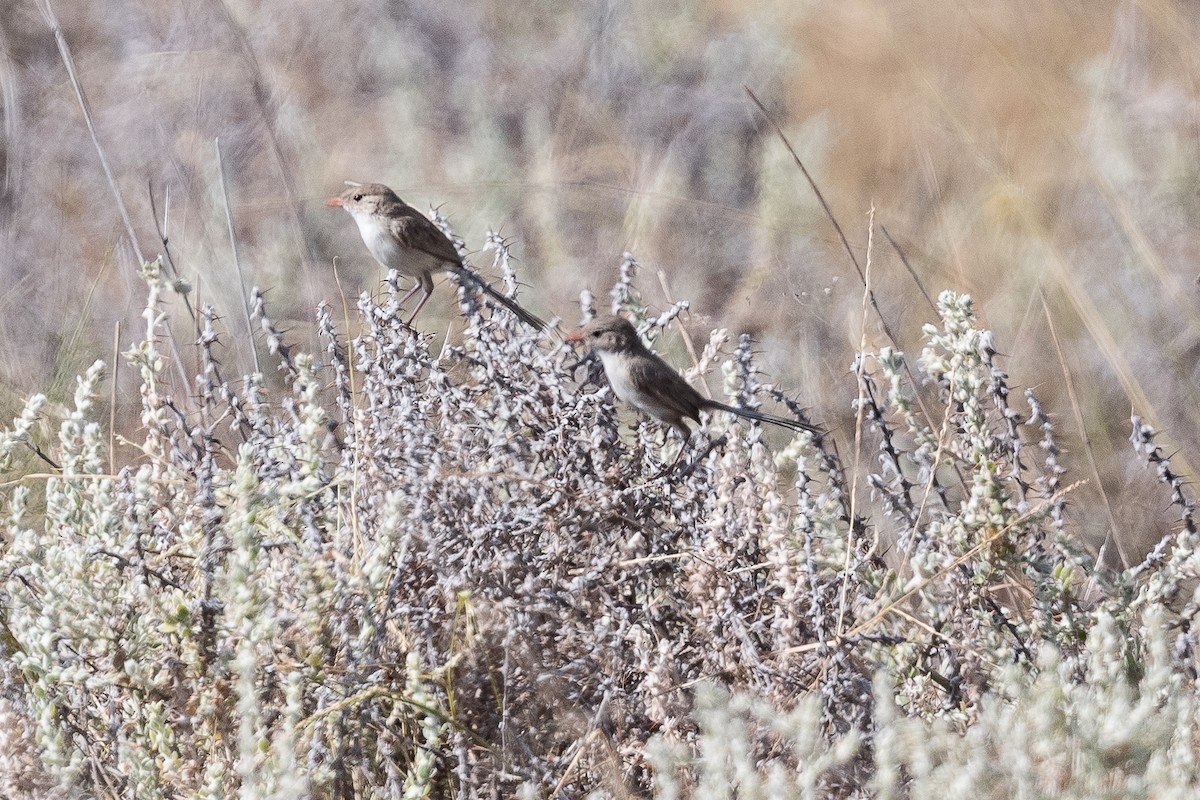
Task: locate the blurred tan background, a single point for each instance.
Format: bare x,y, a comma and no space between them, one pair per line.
1040,155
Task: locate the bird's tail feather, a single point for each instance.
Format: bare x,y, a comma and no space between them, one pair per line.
794,424
529,319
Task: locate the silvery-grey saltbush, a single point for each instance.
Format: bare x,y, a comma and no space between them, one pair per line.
393,570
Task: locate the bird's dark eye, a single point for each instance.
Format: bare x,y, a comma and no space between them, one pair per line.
357,197
595,334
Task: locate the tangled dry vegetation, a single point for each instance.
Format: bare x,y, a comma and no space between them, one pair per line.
459,573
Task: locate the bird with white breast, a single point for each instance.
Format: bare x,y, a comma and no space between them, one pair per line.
646,382
404,239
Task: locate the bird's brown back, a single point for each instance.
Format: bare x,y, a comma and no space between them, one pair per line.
415,230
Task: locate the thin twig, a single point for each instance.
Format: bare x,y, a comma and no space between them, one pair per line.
583,743
887,329
237,261
68,60
987,540
683,332
942,440
1088,449
911,272
163,231
858,431
355,423
266,107
112,401
812,183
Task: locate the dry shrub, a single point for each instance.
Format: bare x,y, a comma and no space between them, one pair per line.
458,572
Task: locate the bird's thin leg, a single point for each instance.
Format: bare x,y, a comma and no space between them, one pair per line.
683,446
419,306
426,283
695,462
408,296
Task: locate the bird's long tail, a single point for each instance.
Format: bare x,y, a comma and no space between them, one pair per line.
476,279
794,424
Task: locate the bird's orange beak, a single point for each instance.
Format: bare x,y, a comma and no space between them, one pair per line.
574,336
335,202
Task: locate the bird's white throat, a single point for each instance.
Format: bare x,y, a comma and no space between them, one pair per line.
616,368
377,236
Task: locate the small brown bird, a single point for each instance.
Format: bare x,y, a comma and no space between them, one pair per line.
404,239
650,385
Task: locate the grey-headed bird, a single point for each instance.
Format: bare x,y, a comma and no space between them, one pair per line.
404,239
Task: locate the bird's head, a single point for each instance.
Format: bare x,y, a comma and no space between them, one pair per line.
607,335
363,198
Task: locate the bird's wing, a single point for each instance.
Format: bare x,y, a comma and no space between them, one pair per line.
664,387
419,233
